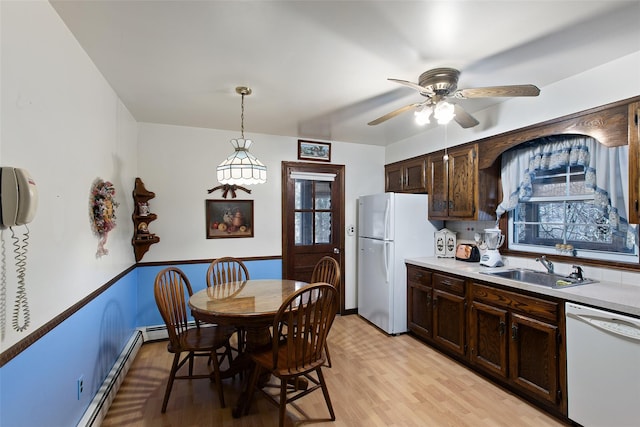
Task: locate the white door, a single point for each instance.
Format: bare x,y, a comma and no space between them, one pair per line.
375,278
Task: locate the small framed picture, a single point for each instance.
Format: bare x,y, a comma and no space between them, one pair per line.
312,150
229,218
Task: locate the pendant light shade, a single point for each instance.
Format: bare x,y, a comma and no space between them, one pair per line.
242,167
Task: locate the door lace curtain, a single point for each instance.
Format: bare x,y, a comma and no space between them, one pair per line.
606,174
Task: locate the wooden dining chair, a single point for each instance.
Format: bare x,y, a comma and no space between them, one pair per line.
172,290
225,275
301,352
327,270
226,270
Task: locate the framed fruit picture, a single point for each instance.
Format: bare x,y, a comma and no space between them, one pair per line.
229,218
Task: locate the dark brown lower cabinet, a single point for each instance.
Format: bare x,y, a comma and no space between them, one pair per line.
449,313
533,357
509,336
487,338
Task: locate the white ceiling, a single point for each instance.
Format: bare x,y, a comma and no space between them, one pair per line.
319,69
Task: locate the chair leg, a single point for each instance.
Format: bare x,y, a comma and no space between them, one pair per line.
191,356
325,391
253,383
283,401
217,378
172,374
326,351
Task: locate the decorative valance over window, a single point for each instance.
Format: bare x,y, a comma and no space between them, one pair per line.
606,174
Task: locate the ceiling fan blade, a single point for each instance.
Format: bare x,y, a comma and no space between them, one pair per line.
463,118
413,86
497,91
394,113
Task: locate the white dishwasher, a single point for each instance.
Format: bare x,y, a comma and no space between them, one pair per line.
603,367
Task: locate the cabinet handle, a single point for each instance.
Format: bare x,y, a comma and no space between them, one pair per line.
450,204
446,282
514,331
501,328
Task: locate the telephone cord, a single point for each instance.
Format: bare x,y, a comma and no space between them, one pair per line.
3,287
21,293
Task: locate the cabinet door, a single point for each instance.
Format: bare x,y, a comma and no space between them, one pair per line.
448,321
488,338
415,176
634,163
462,182
393,178
419,310
533,357
438,190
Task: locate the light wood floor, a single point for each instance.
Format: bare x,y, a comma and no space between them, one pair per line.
375,380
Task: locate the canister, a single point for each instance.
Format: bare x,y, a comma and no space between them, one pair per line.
445,243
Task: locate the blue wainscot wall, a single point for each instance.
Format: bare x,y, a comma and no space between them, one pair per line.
39,387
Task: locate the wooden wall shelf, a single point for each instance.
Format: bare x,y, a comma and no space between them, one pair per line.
142,238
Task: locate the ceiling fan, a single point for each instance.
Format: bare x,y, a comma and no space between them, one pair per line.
438,85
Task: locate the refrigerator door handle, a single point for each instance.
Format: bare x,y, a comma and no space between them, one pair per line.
387,214
386,261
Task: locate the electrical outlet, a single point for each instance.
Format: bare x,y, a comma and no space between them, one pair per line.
80,386
351,230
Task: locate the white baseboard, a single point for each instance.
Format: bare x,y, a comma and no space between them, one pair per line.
97,410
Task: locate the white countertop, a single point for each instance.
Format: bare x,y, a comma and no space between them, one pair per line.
607,295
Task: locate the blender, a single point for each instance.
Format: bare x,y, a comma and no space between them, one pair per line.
493,239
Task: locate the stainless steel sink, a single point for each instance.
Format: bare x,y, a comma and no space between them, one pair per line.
538,278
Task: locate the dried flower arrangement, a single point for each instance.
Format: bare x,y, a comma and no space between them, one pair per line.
102,206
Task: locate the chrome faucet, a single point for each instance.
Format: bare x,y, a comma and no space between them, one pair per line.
547,264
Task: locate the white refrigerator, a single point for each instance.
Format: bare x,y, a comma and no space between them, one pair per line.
391,228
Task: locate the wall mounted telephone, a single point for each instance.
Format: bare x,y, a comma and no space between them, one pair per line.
18,205
19,197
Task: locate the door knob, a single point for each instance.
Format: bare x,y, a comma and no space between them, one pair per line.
336,250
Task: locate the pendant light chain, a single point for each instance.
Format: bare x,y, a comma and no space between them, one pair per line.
242,116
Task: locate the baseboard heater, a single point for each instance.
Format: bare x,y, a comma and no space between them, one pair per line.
99,406
159,332
97,410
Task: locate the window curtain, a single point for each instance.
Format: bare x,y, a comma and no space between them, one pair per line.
606,172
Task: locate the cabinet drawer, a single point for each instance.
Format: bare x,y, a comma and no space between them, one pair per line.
536,307
449,283
418,276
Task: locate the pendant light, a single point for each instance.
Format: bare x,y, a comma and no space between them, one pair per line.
242,167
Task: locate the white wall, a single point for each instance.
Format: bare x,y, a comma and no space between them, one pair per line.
614,81
63,123
179,164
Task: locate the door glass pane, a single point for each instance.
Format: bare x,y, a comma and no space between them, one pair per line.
303,222
323,195
323,227
303,194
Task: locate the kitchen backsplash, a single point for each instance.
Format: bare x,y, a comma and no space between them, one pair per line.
466,229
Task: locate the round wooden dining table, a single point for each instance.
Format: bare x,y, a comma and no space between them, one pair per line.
249,304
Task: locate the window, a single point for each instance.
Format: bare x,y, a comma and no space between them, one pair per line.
312,216
560,204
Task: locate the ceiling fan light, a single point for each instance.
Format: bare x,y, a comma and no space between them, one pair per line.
422,115
444,112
